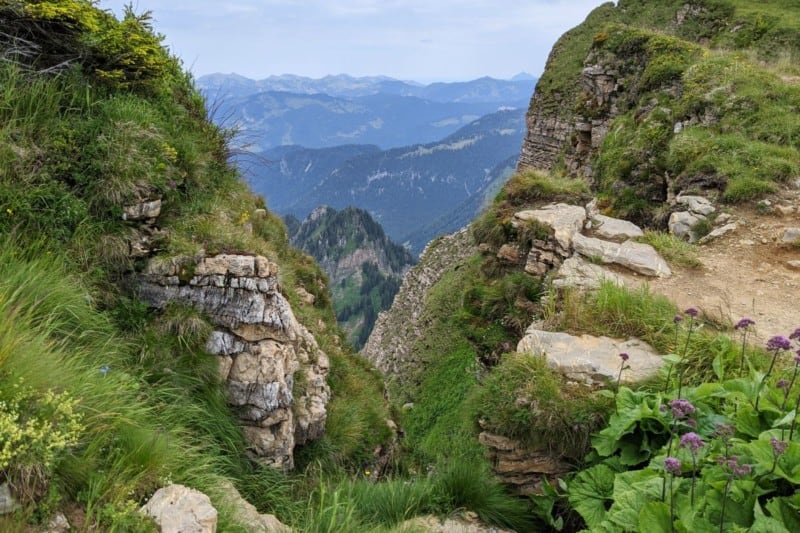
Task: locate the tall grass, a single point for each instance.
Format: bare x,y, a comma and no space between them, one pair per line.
143,429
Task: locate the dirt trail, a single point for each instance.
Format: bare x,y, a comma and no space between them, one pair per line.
744,273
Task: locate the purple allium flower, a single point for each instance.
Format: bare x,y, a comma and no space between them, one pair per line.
782,384
624,357
692,312
692,441
172,184
795,334
778,342
744,323
742,470
778,446
725,431
681,408
677,318
672,465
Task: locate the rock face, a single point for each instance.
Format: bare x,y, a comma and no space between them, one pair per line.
179,509
592,359
518,466
389,345
261,348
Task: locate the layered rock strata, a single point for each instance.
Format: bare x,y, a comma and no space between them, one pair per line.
395,332
272,367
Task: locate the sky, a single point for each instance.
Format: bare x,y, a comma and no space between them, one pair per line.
421,40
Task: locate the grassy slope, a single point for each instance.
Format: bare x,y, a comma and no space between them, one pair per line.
738,77
123,123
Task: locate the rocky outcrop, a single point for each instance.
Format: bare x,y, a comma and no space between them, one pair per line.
389,345
636,256
682,223
262,350
553,134
179,509
589,359
564,225
521,468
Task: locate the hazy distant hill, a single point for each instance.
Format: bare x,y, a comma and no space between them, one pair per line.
335,110
364,267
269,119
486,89
405,189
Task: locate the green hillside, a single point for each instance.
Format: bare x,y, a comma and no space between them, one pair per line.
697,98
102,399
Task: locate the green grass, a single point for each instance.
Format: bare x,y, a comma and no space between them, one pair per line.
622,313
674,250
524,399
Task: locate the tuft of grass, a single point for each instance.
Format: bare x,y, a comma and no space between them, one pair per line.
462,484
675,251
526,400
530,187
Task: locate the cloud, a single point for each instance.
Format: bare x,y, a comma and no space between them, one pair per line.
410,39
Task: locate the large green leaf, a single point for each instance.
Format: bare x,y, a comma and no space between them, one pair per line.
589,492
654,517
632,490
786,510
766,524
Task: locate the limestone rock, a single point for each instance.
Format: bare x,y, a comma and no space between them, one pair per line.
794,264
142,210
58,524
614,229
791,236
565,220
696,204
580,273
719,232
432,524
509,253
681,222
592,359
179,509
259,345
395,332
7,502
519,466
639,257
248,516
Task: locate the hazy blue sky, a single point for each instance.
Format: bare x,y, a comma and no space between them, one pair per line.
424,40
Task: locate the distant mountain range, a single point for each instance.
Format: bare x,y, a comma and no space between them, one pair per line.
481,90
414,192
336,110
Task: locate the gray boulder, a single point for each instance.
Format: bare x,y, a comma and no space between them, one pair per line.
179,509
639,257
791,236
592,359
565,220
615,229
681,222
579,273
696,204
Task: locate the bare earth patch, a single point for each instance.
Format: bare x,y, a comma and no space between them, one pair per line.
743,274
